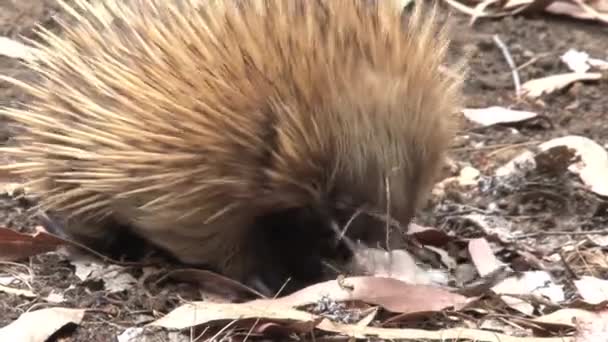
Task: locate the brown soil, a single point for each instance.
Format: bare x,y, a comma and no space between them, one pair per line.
578,110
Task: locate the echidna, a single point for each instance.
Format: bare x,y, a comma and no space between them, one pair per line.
237,134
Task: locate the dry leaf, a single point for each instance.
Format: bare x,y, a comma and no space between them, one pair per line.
54,297
468,176
38,326
397,264
579,10
455,334
593,330
133,334
428,235
579,61
592,290
497,115
591,326
17,246
537,87
593,165
482,256
564,318
530,283
197,313
391,294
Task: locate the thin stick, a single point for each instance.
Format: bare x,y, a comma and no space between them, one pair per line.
563,233
512,66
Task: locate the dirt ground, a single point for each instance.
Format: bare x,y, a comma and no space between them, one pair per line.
581,110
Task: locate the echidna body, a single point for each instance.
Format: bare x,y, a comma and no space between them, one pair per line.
235,133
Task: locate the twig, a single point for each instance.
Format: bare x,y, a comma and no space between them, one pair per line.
533,60
569,271
257,321
509,59
513,146
560,233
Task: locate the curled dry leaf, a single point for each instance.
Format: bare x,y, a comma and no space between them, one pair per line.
537,87
17,246
580,61
591,162
593,165
39,325
429,235
497,115
398,264
592,290
391,294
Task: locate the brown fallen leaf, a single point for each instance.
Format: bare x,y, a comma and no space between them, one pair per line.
17,246
39,325
391,294
429,235
540,86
